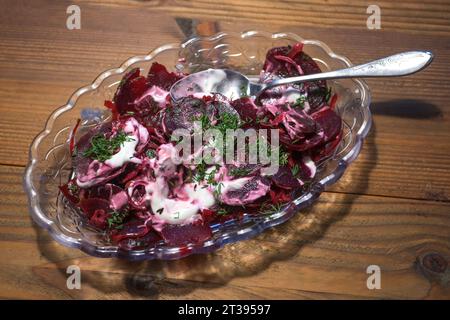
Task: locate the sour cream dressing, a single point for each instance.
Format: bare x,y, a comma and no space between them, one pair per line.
190,198
158,94
136,133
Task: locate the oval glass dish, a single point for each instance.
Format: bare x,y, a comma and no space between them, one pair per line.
50,161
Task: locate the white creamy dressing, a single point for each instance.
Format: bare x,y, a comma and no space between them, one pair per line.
288,95
137,134
176,211
207,83
126,153
309,163
158,94
190,198
231,185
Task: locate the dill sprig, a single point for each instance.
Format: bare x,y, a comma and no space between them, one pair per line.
227,121
150,153
116,219
300,102
102,149
222,211
200,172
269,208
239,172
295,170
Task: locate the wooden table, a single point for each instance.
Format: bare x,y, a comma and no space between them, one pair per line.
391,208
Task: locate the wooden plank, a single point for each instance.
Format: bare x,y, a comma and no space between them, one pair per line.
42,63
321,253
432,16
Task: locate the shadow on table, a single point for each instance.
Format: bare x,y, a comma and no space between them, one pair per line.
247,258
406,108
152,279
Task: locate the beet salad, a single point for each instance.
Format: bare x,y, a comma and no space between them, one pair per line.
127,184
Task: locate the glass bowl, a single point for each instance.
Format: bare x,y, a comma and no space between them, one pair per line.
50,162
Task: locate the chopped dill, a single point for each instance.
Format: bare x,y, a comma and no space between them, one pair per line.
116,219
102,149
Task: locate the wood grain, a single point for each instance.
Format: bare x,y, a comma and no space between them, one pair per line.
410,113
391,208
432,16
321,253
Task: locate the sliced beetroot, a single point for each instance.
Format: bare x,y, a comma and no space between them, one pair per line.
254,189
178,235
297,123
216,107
292,61
246,109
245,169
279,195
208,215
138,243
91,172
279,66
307,168
307,142
285,179
326,150
105,191
329,121
90,205
131,230
80,162
70,195
317,90
112,106
183,114
159,76
145,107
132,86
137,193
99,218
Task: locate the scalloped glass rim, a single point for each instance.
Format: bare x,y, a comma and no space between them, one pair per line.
246,232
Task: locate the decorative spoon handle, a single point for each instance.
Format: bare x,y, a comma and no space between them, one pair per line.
400,64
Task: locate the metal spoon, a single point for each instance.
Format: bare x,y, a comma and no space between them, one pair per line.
233,84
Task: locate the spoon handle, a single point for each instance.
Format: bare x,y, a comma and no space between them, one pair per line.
400,64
